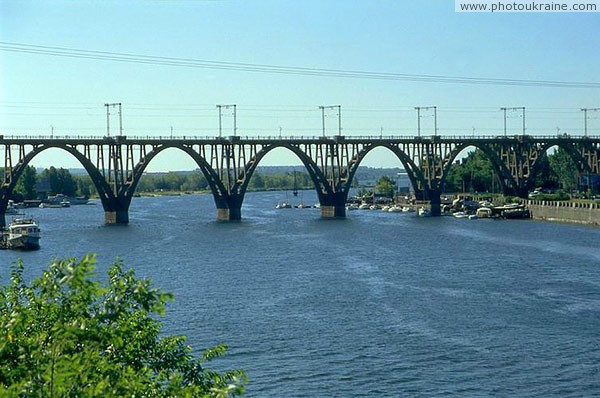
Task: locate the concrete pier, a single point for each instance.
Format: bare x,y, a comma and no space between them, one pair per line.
333,211
229,214
116,217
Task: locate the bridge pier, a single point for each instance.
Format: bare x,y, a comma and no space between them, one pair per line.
435,205
334,205
229,214
116,216
229,208
116,210
333,211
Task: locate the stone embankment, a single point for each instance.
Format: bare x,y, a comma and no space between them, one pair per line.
567,212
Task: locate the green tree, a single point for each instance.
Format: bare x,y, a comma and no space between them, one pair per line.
454,179
257,181
61,181
564,169
146,183
473,173
544,177
25,187
65,334
194,182
173,181
85,186
385,186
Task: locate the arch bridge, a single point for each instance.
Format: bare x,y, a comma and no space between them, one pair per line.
116,164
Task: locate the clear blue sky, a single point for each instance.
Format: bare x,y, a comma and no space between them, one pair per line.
411,37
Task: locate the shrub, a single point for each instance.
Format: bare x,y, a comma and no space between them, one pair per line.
65,334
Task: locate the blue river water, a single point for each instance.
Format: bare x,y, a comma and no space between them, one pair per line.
379,304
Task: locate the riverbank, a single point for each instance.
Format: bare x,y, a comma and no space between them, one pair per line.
565,212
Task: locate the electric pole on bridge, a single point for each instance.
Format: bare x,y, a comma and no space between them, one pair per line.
108,106
516,108
418,109
585,111
339,109
219,107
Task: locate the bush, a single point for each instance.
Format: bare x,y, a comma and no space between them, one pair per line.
67,335
552,197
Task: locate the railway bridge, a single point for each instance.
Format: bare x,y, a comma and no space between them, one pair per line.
116,164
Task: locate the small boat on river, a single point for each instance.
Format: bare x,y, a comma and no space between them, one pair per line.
11,208
423,212
22,233
283,205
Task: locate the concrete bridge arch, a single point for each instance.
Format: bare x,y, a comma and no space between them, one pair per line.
103,188
414,173
507,181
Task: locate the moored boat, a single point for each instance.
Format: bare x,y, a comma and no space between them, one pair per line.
60,199
64,203
512,211
22,233
283,205
423,212
484,212
78,200
11,208
460,214
351,206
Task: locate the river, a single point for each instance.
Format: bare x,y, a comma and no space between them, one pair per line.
376,304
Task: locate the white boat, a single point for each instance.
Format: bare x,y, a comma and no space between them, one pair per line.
283,205
423,212
64,203
11,209
364,206
395,209
351,206
407,209
72,200
23,233
460,214
484,212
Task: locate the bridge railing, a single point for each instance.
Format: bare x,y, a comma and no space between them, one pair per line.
294,138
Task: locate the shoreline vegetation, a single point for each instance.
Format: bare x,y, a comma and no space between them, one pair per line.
66,334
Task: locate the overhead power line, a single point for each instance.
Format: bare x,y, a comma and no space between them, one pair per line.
277,69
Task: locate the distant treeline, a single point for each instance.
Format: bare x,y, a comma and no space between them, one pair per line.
174,181
52,181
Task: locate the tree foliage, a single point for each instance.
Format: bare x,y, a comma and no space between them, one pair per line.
61,181
385,186
25,188
563,169
475,173
65,334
